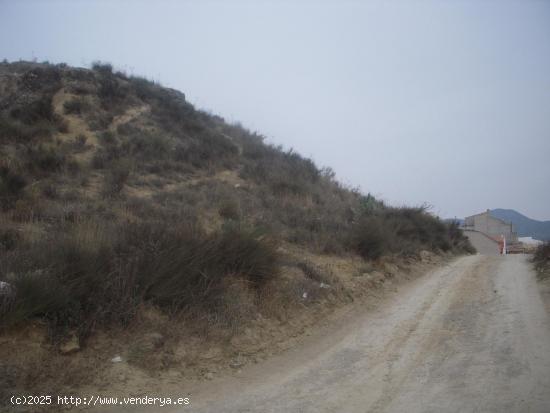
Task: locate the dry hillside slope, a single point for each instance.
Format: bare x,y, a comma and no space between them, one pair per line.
124,210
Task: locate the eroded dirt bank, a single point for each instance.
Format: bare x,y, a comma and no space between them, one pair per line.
472,336
162,356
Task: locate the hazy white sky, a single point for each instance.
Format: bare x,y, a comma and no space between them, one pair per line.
445,103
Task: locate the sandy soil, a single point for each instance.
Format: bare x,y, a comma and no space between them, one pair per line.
473,336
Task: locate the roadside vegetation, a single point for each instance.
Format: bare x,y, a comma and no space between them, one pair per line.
541,260
117,193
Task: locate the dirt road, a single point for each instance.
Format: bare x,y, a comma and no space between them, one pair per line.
473,336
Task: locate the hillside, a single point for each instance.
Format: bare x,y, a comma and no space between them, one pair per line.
526,227
126,212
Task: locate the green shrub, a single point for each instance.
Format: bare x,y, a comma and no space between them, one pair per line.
369,204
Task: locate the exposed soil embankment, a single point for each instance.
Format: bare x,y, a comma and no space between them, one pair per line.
472,335
157,352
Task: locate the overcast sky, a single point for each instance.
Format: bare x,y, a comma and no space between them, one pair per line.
445,103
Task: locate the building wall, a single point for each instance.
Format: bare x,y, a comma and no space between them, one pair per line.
482,243
469,221
491,226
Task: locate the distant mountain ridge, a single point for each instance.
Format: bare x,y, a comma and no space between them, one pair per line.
525,226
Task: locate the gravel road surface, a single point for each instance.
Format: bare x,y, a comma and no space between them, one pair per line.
473,336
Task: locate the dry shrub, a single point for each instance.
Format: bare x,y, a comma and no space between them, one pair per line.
295,288
12,185
229,209
76,106
26,210
38,110
96,274
370,239
315,273
9,239
44,159
116,178
36,368
192,269
541,259
405,231
234,306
